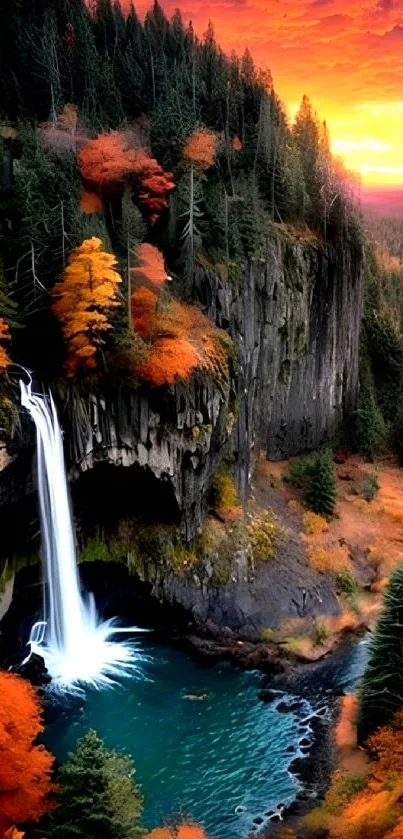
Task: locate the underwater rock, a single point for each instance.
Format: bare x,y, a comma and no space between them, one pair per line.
267,696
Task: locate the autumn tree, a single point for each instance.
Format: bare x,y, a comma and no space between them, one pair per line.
25,768
112,158
98,795
82,301
381,691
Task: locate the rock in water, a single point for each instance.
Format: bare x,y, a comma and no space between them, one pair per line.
34,670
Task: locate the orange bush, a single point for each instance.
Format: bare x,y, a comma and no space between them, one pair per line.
13,833
386,745
169,359
4,336
90,202
201,147
236,144
180,337
25,769
328,560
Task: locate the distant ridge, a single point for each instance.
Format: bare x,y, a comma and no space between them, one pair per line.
385,201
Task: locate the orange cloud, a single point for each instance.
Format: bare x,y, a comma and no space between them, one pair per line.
347,55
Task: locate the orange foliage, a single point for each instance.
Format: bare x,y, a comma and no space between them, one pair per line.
190,831
169,359
13,833
25,769
160,833
110,158
328,560
183,831
180,337
144,304
151,267
236,144
201,148
4,336
81,301
386,745
397,832
90,202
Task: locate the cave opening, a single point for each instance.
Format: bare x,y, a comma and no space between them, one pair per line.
108,494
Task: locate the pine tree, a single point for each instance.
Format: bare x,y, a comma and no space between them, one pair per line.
98,795
321,495
381,691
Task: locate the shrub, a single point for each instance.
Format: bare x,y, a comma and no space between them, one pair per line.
369,428
263,533
370,487
346,583
321,493
315,474
328,560
321,634
299,471
313,523
224,494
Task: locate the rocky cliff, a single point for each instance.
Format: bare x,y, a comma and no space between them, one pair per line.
294,316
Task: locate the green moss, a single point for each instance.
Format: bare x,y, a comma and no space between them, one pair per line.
266,635
285,372
221,571
94,551
16,563
8,416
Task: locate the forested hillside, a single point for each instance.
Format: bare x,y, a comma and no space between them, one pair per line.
116,136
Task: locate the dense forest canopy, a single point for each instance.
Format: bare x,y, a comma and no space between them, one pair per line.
131,132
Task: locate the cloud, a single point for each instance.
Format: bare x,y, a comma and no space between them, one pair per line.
386,5
346,54
317,4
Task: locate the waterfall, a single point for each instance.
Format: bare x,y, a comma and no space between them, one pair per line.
76,645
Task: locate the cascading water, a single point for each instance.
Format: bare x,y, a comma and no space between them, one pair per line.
76,646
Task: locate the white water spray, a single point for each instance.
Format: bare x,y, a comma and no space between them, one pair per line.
76,646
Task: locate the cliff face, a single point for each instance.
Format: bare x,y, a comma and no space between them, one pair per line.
295,318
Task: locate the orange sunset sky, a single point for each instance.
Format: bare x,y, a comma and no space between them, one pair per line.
347,55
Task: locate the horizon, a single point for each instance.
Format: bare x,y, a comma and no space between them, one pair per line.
345,55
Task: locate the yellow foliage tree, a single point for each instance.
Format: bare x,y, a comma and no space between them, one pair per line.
82,300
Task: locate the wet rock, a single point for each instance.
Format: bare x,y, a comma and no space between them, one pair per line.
283,708
305,743
258,820
291,749
267,696
34,670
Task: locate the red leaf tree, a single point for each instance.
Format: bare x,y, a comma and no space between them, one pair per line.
110,159
25,769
